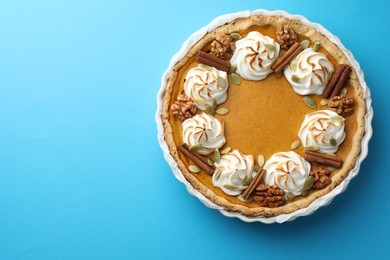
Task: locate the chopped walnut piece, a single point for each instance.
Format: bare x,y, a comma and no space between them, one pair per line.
286,36
321,177
269,196
183,107
223,46
342,105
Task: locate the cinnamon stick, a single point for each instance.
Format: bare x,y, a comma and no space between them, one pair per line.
211,60
288,59
286,55
341,82
335,78
253,184
326,159
199,160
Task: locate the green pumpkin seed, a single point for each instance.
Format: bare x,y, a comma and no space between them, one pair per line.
232,69
305,44
324,101
331,169
200,102
304,193
295,78
289,196
270,47
196,147
250,199
316,46
194,168
313,148
236,79
217,173
209,110
226,150
236,36
210,161
217,156
214,103
343,91
260,160
337,119
333,142
222,111
295,145
309,101
308,183
294,64
256,168
205,67
230,187
221,82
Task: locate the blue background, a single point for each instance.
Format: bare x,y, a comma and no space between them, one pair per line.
81,173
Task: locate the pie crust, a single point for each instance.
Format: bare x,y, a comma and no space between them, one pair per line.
353,143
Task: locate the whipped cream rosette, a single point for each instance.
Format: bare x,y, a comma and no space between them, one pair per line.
205,130
203,84
288,171
254,56
234,172
322,130
309,72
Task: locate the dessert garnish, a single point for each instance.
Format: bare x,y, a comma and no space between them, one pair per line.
279,65
211,60
325,159
337,81
295,145
269,196
223,46
309,101
183,107
286,36
253,184
199,160
342,105
320,177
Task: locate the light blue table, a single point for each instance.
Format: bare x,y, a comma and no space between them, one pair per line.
81,173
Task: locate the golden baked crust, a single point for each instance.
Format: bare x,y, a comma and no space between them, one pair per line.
302,202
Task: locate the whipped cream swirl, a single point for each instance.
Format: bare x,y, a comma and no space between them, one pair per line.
254,56
324,130
309,72
205,130
202,85
234,172
287,170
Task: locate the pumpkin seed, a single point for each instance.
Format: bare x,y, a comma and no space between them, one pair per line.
295,145
305,44
200,102
209,110
304,193
217,173
232,69
205,67
337,119
294,64
331,169
333,142
309,101
230,187
324,101
295,78
236,36
217,156
210,161
308,183
289,196
214,103
343,91
221,82
256,168
260,160
313,148
316,46
235,78
194,168
244,200
270,47
222,111
196,147
226,150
